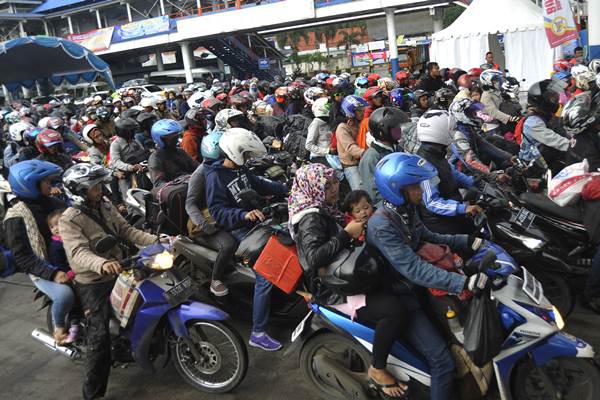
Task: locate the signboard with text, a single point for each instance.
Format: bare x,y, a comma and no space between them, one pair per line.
264,63
140,29
96,40
369,58
558,22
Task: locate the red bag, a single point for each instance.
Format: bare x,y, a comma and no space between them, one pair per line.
279,265
519,131
333,145
591,190
442,257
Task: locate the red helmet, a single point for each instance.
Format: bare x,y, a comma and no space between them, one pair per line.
475,72
466,81
562,65
46,139
212,104
404,78
373,92
373,78
329,82
222,97
281,94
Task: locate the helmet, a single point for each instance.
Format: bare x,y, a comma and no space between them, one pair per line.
196,99
320,107
464,111
240,144
594,65
361,82
212,104
81,177
466,81
262,109
564,76
25,111
55,123
443,97
97,99
418,94
373,78
579,69
562,65
128,101
13,117
387,84
322,77
313,93
476,72
126,127
281,94
103,113
25,176
351,103
404,78
240,101
107,102
146,120
545,95
47,138
374,92
456,73
491,78
86,133
198,116
583,79
210,146
130,113
436,126
223,117
17,131
511,85
164,128
160,99
396,171
397,97
53,103
580,113
90,110
385,122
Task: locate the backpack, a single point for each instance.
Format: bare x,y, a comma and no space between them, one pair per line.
171,198
295,133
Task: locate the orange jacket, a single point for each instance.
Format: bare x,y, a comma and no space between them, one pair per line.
191,144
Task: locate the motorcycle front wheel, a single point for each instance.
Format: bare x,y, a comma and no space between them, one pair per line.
557,291
564,378
218,361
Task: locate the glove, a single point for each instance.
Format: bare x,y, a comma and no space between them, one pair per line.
514,119
474,242
477,281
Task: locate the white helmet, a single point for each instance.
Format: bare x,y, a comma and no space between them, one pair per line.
86,133
583,80
146,102
196,99
320,107
160,99
262,109
436,126
17,130
313,93
594,65
579,69
491,78
43,123
223,116
240,144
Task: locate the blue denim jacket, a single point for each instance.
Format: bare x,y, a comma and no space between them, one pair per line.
398,237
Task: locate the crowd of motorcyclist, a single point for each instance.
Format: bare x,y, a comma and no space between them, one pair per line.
402,148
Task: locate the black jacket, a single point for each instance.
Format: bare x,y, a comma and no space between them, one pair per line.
319,239
431,84
167,164
585,145
17,240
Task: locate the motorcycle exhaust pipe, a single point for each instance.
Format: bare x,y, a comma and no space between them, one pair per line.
48,340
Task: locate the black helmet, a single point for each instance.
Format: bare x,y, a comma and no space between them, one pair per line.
444,97
384,123
146,120
544,95
126,127
131,113
580,113
418,94
90,110
80,177
103,113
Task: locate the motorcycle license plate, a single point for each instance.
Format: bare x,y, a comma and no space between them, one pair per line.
525,218
180,292
300,328
532,287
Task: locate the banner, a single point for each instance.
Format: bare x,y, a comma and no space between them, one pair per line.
96,40
369,58
558,22
143,28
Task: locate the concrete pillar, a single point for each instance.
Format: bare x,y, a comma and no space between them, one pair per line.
22,32
162,7
438,19
594,29
160,66
7,96
199,7
70,24
188,64
98,19
46,30
128,12
390,21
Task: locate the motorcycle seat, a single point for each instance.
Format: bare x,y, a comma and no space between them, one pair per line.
542,204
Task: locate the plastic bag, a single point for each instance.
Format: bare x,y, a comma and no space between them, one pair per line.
483,329
565,188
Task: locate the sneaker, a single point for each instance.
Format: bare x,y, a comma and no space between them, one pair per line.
218,288
73,333
264,341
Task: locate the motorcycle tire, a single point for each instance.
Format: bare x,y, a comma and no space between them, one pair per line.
566,378
557,291
198,374
49,322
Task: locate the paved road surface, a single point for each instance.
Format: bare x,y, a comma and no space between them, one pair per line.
30,371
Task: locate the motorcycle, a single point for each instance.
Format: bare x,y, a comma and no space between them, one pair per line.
537,359
207,352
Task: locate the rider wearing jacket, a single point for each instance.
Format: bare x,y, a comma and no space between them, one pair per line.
168,162
444,211
397,231
50,145
81,226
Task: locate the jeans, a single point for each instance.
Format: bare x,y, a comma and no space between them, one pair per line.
592,284
62,297
353,177
94,299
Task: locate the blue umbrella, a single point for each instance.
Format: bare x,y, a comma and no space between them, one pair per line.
25,60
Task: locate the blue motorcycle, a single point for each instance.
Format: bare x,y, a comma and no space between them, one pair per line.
205,349
537,359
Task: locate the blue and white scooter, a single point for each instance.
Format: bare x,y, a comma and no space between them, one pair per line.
537,360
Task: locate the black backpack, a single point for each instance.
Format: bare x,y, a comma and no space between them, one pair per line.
295,133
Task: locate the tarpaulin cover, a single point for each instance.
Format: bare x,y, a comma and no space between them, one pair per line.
25,60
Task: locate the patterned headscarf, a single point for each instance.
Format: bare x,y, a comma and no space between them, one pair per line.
308,191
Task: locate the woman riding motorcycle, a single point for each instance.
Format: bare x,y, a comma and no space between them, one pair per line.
316,224
126,154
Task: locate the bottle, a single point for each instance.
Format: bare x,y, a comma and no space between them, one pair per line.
455,326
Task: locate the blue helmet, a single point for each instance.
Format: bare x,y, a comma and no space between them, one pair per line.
397,96
398,170
351,103
165,127
210,146
25,177
361,82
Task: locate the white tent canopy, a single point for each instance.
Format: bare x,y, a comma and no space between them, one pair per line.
526,50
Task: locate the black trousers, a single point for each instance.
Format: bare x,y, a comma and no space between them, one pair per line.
96,307
225,244
387,311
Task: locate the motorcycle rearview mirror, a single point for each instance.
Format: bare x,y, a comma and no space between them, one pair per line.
105,244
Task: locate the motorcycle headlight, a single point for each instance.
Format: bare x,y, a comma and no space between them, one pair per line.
558,319
162,261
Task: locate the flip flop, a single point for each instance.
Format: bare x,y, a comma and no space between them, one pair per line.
378,387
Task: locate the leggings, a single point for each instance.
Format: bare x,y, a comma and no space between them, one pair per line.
62,297
389,314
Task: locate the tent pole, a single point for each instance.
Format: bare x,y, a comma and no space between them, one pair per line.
70,24
98,19
390,21
128,12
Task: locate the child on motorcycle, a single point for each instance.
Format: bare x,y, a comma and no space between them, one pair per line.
225,181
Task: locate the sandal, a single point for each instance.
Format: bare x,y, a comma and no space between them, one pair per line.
379,388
